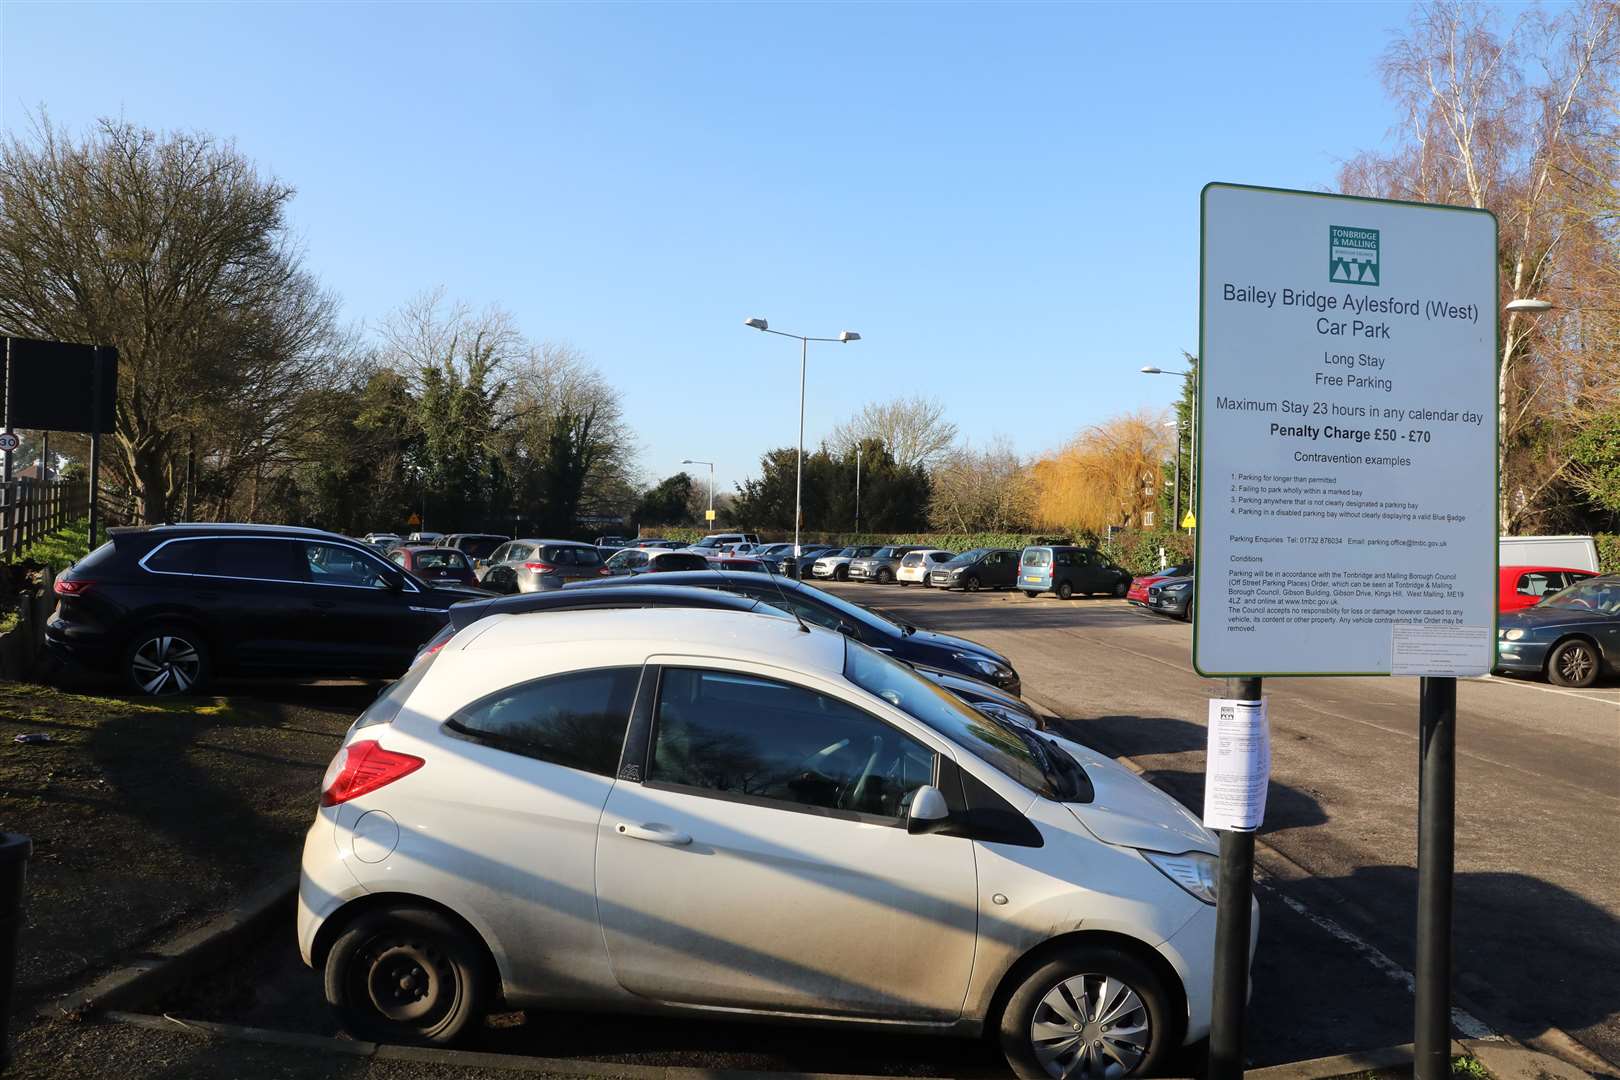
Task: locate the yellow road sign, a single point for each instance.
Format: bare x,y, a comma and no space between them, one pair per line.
708,515
1189,521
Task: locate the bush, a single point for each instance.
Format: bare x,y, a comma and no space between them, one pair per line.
1608,545
1138,551
60,549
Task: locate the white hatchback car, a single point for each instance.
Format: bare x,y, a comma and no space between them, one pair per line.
915,566
722,812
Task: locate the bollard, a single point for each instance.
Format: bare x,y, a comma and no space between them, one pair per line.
14,853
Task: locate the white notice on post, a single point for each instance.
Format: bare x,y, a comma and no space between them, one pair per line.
1238,767
1436,650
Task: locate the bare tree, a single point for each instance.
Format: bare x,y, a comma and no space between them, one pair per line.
914,430
1508,122
977,490
174,249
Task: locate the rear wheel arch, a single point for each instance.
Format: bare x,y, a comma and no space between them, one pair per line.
1020,969
344,917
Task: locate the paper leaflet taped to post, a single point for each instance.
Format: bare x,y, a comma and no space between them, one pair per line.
1238,767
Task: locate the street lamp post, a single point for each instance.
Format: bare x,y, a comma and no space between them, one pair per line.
1192,477
857,493
710,464
844,337
1175,492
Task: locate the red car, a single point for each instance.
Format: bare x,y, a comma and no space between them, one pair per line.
1138,592
1520,587
435,565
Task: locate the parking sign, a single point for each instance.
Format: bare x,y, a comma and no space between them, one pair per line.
1347,436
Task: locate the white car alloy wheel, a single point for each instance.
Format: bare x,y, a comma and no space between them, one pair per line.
1090,1026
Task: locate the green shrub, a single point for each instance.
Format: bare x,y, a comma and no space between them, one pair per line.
60,549
1608,545
1138,551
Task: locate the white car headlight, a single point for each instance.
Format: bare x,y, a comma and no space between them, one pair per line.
1514,634
1196,871
1183,587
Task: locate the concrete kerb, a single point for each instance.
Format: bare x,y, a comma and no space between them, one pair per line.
1502,1059
182,958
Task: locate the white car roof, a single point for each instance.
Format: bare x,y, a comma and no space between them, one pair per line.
740,635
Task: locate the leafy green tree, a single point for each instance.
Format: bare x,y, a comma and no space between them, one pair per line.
1182,414
666,503
894,496
1595,456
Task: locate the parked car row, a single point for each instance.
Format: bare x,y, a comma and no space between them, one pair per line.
1063,570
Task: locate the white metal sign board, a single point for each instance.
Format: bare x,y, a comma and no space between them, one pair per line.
1346,437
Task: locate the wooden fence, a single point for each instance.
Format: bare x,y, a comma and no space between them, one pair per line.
30,509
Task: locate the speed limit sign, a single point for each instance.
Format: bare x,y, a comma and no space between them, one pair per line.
9,441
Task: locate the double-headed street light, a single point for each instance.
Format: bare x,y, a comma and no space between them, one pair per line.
1192,478
844,338
710,464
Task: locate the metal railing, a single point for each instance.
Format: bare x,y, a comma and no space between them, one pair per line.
30,509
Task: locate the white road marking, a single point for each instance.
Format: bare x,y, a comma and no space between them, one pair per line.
1470,1026
1550,689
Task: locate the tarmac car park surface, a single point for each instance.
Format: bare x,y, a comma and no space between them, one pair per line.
1536,793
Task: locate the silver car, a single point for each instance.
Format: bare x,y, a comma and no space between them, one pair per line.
539,565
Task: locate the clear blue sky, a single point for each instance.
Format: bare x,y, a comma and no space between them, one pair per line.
1002,200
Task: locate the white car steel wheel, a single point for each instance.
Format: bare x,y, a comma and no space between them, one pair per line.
1088,1026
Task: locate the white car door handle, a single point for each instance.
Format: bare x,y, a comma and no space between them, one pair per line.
657,834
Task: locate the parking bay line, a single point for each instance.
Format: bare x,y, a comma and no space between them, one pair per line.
1471,1026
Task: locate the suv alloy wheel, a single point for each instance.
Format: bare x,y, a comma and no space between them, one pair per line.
163,659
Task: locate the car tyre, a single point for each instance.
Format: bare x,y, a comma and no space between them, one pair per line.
971,583
1573,663
408,975
1187,616
885,576
1120,589
1031,593
1064,590
1090,990
841,574
164,659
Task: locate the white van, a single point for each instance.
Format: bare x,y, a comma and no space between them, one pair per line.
1565,552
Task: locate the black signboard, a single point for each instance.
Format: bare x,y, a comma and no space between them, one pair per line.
56,386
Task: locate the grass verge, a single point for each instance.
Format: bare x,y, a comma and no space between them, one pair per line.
144,813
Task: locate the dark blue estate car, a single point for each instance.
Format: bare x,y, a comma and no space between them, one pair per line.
906,643
1572,637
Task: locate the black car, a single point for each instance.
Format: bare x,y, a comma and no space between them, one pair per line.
808,554
981,568
166,608
1571,637
920,648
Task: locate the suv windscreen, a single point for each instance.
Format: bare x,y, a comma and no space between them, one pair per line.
968,557
1029,758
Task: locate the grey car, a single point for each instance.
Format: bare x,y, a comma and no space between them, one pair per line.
882,563
538,565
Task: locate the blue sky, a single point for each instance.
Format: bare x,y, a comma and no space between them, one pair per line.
1003,200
